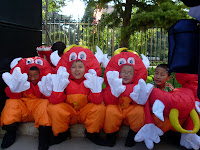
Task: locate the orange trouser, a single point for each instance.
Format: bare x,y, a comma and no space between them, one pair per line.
25,110
133,115
63,114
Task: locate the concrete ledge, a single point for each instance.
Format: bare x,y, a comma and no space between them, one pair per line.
77,130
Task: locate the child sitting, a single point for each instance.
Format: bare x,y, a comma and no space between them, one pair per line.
121,75
26,101
76,96
161,78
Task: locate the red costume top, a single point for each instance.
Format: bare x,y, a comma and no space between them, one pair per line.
25,64
76,93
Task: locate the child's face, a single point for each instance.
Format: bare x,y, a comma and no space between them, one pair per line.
161,77
77,69
33,76
126,74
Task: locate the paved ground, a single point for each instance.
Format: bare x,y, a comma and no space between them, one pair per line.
31,143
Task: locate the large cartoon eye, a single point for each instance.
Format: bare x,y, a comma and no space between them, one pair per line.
72,56
121,61
29,61
39,62
82,55
131,60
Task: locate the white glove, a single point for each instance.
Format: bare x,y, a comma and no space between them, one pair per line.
102,58
141,92
190,141
16,81
60,80
93,82
45,85
197,106
158,108
115,83
149,133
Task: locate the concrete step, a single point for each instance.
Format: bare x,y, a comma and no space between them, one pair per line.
31,143
77,130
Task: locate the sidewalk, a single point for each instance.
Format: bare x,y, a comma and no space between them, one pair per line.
31,143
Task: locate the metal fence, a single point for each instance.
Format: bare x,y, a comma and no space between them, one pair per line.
152,42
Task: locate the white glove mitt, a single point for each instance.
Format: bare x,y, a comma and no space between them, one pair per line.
93,82
60,80
115,83
190,141
16,81
45,85
158,108
141,92
149,133
197,106
102,58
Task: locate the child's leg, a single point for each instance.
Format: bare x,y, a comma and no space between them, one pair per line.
60,115
14,112
92,115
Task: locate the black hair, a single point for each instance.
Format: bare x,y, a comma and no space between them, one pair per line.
34,68
60,46
165,66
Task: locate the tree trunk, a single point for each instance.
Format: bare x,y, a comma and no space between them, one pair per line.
126,23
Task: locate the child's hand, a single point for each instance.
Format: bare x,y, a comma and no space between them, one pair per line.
190,141
16,81
149,133
115,83
141,92
93,82
60,80
46,85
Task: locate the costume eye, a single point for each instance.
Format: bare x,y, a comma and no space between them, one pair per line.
72,56
39,62
29,61
82,55
121,61
131,60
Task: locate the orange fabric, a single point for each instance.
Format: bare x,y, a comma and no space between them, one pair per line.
77,100
25,110
63,115
133,116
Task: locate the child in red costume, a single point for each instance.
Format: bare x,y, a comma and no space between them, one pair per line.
121,75
27,99
76,96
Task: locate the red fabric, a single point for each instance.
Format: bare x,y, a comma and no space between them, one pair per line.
45,54
12,95
181,99
26,63
188,81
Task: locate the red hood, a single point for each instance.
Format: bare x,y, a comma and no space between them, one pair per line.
140,70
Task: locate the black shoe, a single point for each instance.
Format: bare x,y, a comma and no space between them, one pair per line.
44,132
10,136
111,139
60,137
130,142
8,139
95,138
172,137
